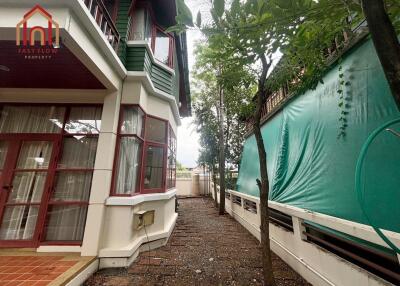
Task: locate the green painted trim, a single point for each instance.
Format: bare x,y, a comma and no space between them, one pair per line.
123,25
138,59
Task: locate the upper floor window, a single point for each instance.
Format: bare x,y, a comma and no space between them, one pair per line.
145,28
162,49
142,25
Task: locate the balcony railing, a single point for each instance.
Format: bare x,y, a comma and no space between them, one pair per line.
103,19
271,103
340,44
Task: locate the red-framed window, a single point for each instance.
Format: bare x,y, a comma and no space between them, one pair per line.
144,27
171,161
129,150
73,176
141,153
71,132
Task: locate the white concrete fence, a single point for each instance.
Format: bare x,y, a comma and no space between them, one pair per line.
189,184
314,263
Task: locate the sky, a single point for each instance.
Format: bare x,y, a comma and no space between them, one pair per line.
188,138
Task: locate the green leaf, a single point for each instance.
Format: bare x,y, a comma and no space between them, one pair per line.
184,14
176,29
235,6
198,19
219,7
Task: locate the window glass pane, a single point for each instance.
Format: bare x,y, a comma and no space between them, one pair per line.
141,25
128,165
153,167
3,153
78,152
65,223
138,24
132,121
27,187
35,155
155,130
19,222
148,26
31,119
162,45
84,120
72,186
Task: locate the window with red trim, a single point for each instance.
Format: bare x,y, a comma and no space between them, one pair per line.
128,153
141,153
66,214
71,133
154,155
144,28
171,162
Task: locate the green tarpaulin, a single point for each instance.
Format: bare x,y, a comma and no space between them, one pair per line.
311,168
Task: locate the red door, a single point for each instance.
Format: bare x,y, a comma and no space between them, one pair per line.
27,165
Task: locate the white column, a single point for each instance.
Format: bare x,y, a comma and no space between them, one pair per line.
102,175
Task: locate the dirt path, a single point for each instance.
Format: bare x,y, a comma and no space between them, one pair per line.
204,249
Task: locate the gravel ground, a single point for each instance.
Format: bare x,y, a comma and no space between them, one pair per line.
204,249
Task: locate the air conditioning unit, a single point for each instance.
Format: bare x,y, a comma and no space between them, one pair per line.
142,219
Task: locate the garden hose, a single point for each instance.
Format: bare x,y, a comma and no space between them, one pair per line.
360,194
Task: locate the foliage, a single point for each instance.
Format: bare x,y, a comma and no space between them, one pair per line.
180,167
212,70
248,35
344,102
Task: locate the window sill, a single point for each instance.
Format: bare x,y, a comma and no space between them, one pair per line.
134,200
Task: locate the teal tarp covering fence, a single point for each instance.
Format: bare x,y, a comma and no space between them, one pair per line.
310,167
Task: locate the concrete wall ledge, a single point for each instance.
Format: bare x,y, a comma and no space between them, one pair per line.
132,201
144,77
131,249
317,265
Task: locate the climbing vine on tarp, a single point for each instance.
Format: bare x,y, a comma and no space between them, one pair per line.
344,102
316,170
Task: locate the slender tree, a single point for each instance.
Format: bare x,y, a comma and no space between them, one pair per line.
386,43
222,88
302,29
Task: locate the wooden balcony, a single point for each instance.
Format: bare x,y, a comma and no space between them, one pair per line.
103,19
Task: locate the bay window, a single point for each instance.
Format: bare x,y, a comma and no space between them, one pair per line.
141,154
144,28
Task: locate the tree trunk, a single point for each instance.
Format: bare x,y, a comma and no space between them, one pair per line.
214,178
263,185
221,154
386,43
